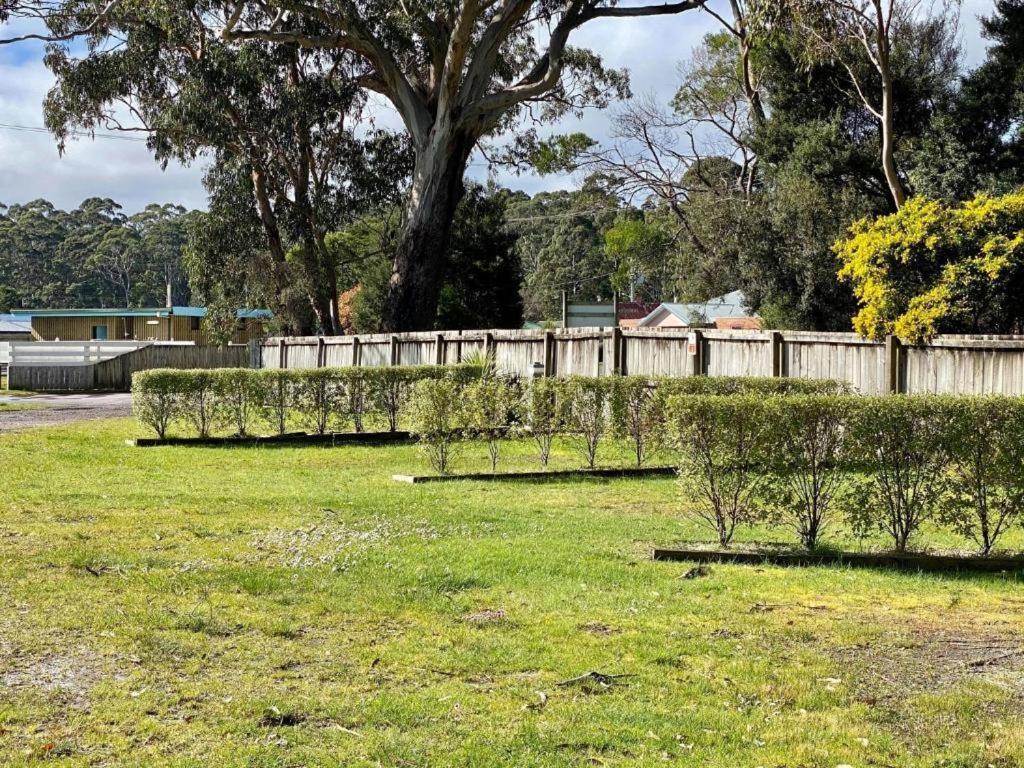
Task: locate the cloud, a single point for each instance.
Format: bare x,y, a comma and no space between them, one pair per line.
31,167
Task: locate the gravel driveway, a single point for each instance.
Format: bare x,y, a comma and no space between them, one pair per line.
53,410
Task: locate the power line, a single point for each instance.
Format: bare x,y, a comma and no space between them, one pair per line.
81,134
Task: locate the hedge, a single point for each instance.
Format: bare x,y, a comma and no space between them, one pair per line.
584,410
888,464
322,399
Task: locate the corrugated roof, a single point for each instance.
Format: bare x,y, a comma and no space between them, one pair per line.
26,314
733,304
12,324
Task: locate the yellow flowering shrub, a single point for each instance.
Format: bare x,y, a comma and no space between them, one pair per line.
934,268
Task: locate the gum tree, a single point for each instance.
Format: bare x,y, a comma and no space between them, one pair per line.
456,72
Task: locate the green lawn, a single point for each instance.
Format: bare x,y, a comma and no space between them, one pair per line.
295,607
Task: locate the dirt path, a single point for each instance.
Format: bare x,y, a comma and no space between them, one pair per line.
53,410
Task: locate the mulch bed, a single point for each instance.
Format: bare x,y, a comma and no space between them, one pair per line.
901,561
291,438
540,475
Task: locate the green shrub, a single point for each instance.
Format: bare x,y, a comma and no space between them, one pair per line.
723,447
156,398
809,461
318,393
276,396
437,416
542,416
752,385
638,414
238,396
986,495
903,441
491,406
584,404
199,400
357,396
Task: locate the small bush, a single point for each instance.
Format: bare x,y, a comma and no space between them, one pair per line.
199,400
238,396
723,445
437,416
638,414
156,398
542,416
491,405
358,399
318,394
986,495
276,396
584,404
808,477
904,442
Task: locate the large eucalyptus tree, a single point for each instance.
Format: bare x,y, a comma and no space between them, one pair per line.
456,71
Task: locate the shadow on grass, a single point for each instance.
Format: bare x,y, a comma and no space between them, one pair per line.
967,566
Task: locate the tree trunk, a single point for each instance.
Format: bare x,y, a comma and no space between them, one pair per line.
418,267
281,277
888,123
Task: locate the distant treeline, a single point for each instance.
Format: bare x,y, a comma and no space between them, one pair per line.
93,256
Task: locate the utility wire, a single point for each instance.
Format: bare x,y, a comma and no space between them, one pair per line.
82,134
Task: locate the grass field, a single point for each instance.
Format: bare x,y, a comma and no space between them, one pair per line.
294,607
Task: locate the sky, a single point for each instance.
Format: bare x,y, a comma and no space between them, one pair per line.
124,170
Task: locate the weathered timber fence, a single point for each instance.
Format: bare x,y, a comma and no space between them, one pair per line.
950,364
115,374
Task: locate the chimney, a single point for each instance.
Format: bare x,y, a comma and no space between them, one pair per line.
170,300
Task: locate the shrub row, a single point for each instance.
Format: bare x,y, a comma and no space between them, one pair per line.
881,463
586,410
205,401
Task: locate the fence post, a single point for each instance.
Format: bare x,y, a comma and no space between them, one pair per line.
394,350
617,352
489,351
439,349
695,346
892,360
549,353
778,359
321,352
255,353
355,352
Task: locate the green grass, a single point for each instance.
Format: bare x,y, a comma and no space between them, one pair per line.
295,607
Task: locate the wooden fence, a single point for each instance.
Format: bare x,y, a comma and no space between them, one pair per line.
950,364
69,352
115,374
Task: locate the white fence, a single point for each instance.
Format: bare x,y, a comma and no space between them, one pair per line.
53,353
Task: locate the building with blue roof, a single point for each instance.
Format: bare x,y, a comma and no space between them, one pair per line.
136,324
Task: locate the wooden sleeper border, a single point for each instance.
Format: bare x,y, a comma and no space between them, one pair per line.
560,474
291,438
904,561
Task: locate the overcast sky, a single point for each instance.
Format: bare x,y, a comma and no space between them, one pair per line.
30,166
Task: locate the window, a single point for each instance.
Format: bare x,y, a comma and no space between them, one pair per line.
99,332
193,324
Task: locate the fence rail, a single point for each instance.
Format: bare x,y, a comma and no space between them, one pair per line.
950,364
69,352
114,372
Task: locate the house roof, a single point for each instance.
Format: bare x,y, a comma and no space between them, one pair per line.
732,304
635,310
27,314
12,324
